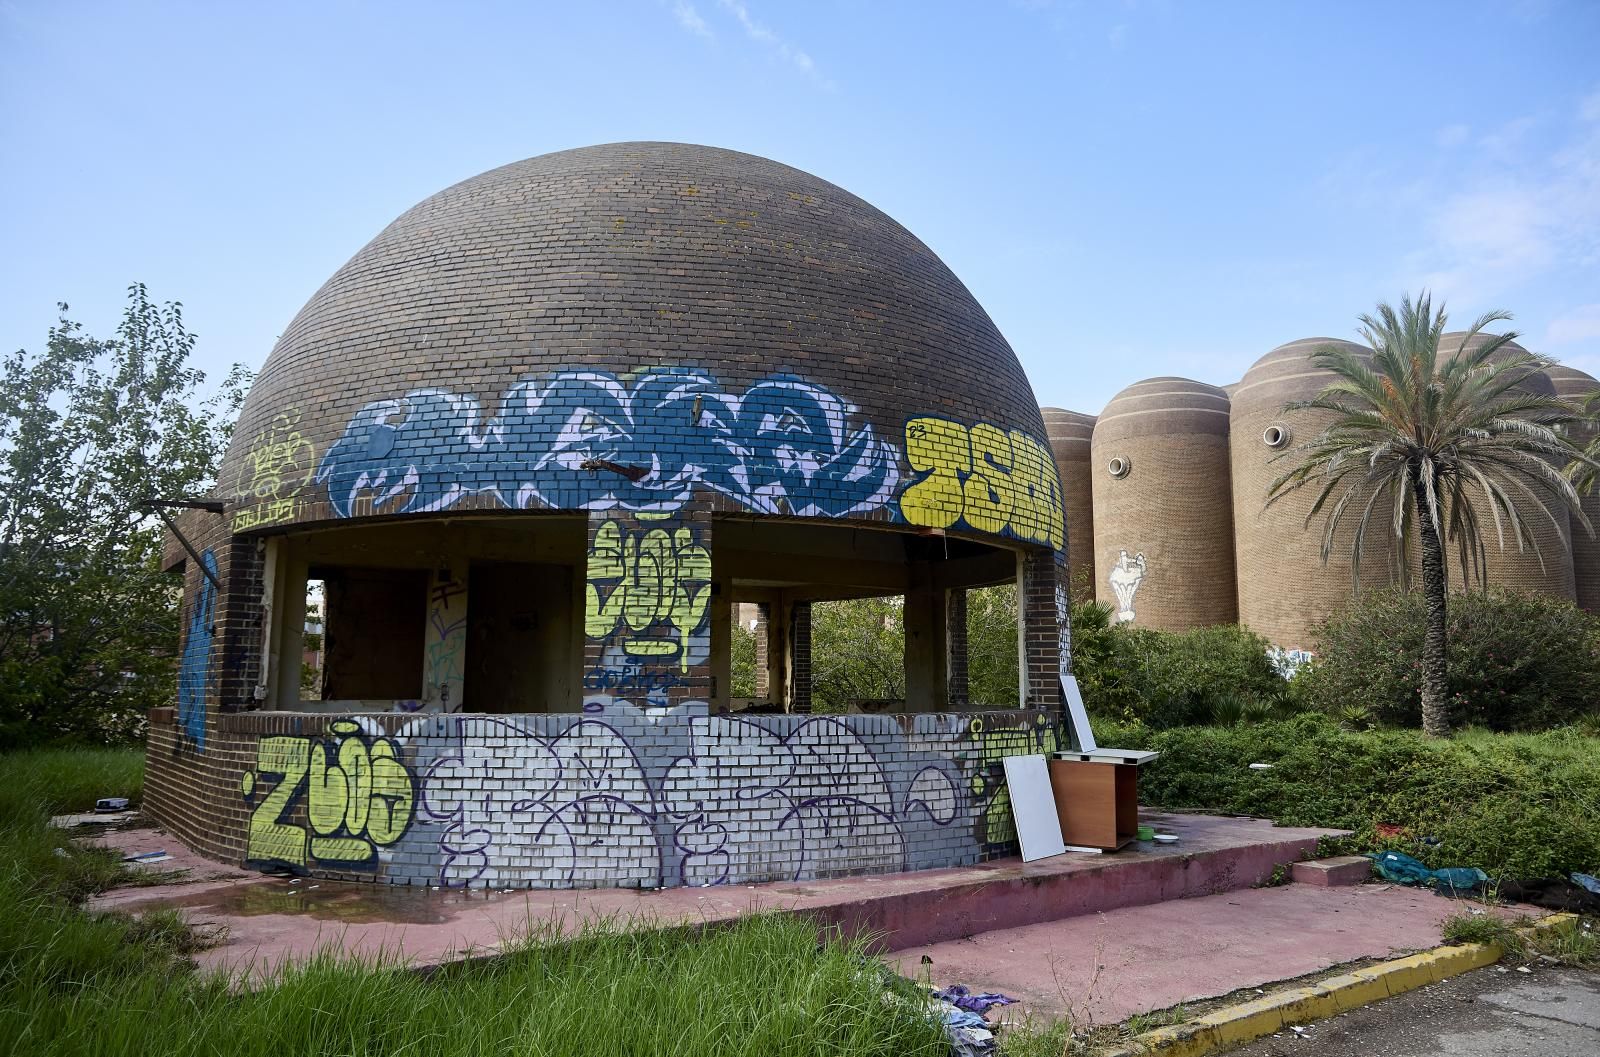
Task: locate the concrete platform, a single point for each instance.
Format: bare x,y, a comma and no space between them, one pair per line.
1102,968
270,920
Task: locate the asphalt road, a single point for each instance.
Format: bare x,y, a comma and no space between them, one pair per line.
1549,1012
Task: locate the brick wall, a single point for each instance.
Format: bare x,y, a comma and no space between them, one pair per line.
618,797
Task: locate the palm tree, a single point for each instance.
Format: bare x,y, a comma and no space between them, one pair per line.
1429,443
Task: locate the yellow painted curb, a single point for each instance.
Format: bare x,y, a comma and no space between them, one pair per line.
1248,1021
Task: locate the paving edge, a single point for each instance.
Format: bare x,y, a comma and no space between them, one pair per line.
1248,1021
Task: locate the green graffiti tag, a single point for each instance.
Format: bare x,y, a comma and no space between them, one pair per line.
358,797
646,580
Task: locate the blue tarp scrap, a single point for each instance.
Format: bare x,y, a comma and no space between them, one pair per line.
962,1012
1403,869
961,997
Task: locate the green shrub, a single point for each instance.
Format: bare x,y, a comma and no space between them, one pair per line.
1518,661
1518,806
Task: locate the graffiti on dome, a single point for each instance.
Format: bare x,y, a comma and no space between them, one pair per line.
987,478
590,440
279,464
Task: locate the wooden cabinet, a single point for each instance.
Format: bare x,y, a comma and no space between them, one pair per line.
1097,797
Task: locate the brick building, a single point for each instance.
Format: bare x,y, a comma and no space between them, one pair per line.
536,442
1175,474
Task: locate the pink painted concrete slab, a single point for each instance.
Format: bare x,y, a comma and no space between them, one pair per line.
270,920
1102,968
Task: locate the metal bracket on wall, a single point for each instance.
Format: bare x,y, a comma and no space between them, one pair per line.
212,506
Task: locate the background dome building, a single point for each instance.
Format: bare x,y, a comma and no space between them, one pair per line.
1163,518
536,440
1284,587
1070,435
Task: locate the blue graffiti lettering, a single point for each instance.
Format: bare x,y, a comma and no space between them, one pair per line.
588,440
195,667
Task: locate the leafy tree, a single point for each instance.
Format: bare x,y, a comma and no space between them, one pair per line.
857,652
1518,661
89,429
1428,445
992,646
743,661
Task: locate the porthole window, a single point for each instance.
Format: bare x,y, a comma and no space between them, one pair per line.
1119,466
1275,436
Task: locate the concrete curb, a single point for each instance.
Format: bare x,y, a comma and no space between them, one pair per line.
1237,1025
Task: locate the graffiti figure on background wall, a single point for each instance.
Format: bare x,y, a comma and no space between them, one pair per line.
194,672
589,440
1125,577
660,578
357,794
990,479
445,656
279,464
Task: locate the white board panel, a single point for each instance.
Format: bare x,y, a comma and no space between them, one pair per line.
1033,807
1078,715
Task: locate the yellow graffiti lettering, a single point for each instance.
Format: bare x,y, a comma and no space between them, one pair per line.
271,838
1037,516
994,481
280,462
643,581
988,779
988,490
358,797
940,448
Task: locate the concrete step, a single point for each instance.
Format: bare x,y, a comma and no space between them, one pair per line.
1213,854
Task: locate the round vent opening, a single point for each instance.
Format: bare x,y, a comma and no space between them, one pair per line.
1119,466
1275,436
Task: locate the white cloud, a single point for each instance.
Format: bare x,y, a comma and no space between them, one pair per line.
690,19
767,38
1517,209
1580,324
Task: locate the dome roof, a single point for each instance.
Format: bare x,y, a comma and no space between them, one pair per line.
1066,426
696,319
1571,383
1164,406
1286,374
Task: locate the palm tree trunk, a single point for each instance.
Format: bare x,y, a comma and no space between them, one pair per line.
1435,664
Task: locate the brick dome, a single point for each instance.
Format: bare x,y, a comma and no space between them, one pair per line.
1070,433
622,326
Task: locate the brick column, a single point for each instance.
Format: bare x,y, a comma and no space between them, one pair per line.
955,637
1040,640
763,621
647,610
800,657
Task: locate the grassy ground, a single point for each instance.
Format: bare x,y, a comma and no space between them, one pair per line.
1519,806
73,983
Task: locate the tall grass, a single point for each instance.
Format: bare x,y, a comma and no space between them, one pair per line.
103,985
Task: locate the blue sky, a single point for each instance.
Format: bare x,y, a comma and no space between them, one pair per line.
1130,188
